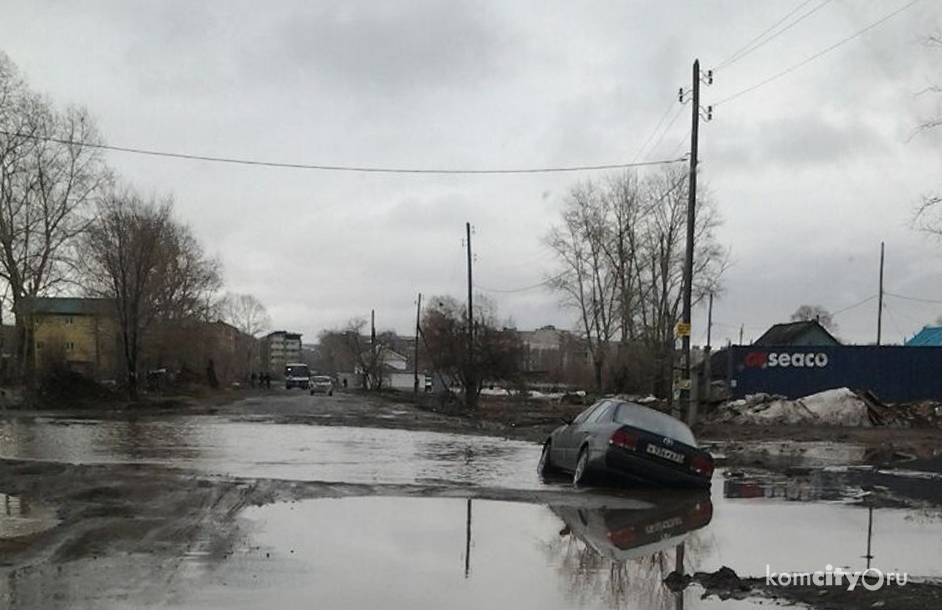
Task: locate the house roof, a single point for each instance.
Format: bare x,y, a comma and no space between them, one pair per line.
789,332
928,336
67,306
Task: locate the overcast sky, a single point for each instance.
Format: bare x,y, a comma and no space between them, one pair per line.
810,172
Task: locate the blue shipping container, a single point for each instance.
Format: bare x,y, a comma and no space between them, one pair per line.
893,373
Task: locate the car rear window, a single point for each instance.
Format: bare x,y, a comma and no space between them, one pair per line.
655,422
602,414
588,412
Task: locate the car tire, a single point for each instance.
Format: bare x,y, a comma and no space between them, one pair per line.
580,474
545,468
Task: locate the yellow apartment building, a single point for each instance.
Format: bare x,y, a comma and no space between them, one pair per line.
80,334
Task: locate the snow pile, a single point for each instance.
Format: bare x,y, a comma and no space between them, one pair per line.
838,407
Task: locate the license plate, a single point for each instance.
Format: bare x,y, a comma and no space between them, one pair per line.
667,454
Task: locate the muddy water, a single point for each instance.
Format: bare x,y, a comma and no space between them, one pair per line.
383,552
279,451
20,518
378,552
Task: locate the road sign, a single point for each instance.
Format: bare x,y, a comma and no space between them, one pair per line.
682,329
682,384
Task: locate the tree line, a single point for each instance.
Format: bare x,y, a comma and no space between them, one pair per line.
457,358
70,225
620,246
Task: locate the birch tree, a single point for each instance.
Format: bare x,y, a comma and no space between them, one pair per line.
587,281
51,172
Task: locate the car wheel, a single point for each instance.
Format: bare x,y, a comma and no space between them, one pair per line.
546,468
580,475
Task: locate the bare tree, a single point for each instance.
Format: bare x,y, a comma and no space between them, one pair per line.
498,351
588,281
817,313
367,354
927,216
123,260
188,279
50,174
135,253
621,250
245,312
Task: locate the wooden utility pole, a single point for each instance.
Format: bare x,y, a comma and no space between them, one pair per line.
742,327
472,377
373,363
707,351
418,329
686,396
880,300
467,542
710,320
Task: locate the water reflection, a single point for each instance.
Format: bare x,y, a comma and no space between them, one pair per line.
20,517
623,555
284,451
815,488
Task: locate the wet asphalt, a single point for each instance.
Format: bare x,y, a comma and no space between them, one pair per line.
263,505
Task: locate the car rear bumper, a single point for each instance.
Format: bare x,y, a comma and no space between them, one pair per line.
639,467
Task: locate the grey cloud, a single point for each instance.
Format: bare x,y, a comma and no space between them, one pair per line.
385,48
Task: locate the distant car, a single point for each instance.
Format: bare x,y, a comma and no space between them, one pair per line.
322,384
297,375
627,441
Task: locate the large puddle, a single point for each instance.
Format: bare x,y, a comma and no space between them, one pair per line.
278,451
382,552
408,553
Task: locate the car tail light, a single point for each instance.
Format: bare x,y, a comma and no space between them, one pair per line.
623,439
621,537
702,465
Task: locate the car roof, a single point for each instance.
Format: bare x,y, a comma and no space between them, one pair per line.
657,416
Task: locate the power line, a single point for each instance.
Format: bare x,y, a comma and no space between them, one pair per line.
654,131
916,299
680,144
340,168
545,282
855,305
893,322
667,129
749,48
811,58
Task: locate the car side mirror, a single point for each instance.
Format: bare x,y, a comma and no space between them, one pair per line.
566,420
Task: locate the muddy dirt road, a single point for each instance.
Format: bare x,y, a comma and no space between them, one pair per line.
261,505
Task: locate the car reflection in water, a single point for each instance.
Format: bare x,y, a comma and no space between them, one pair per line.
622,555
623,534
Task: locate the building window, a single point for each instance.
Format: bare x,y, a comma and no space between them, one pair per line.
69,346
70,320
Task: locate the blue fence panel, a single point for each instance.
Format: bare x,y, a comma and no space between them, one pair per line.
892,373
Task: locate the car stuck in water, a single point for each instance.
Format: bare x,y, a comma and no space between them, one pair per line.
627,442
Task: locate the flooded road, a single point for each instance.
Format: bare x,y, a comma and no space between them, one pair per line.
300,452
209,513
